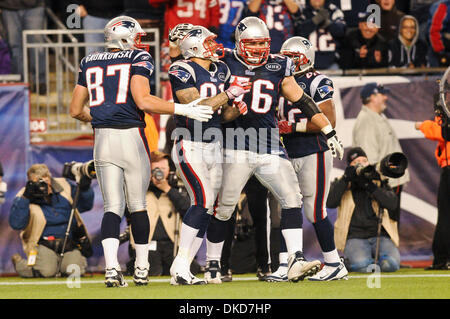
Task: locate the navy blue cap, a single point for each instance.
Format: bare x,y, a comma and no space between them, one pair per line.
372,88
363,16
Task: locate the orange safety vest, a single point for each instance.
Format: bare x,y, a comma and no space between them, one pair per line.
433,131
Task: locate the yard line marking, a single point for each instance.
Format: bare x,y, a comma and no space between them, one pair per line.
64,282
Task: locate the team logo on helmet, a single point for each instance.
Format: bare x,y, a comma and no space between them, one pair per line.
241,27
194,33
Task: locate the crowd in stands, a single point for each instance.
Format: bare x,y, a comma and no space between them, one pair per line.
347,34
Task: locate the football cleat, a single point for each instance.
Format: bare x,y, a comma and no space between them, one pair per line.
140,276
278,276
227,277
114,278
299,268
180,272
212,273
331,271
263,272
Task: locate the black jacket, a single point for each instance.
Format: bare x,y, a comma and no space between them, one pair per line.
364,222
349,57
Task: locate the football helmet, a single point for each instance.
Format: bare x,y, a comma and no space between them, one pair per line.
302,53
199,42
124,33
252,41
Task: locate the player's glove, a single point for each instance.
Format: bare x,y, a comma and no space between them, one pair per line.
333,142
286,127
194,111
238,87
177,33
242,106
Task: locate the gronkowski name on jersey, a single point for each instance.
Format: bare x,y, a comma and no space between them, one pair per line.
257,131
186,74
107,76
297,144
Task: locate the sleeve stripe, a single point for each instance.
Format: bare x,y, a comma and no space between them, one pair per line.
315,84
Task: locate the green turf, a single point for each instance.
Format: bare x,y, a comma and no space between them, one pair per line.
404,284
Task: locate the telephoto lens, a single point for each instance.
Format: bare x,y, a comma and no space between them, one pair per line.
158,174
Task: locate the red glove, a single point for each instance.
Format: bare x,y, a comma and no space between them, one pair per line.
286,127
242,106
238,87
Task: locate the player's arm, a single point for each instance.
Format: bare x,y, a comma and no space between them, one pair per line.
294,93
231,112
254,5
328,109
78,109
191,94
140,89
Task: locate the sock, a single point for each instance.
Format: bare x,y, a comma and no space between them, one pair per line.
141,256
195,219
331,257
195,247
110,249
214,250
325,235
291,228
294,239
283,258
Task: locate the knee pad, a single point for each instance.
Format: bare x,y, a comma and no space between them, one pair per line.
196,217
110,225
140,227
291,218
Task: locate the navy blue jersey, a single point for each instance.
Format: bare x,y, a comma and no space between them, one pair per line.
297,144
257,131
230,14
107,76
186,74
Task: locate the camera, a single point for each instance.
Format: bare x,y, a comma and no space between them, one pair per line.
76,170
36,190
158,174
392,165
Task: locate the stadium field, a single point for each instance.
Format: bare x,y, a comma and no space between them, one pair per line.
403,284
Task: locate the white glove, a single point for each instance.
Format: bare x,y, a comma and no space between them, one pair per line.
178,32
202,113
238,87
333,142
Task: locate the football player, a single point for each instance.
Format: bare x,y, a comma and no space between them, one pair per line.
252,145
309,153
197,150
115,83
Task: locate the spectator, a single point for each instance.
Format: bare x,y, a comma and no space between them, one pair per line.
230,14
149,13
390,19
19,16
356,229
5,57
407,50
351,8
279,16
363,48
373,133
420,9
323,24
439,33
439,131
167,203
41,211
96,14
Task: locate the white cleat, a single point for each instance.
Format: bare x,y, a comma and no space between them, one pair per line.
278,276
114,278
140,276
299,268
180,273
212,273
331,271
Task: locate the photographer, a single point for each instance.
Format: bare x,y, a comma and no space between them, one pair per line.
41,210
438,130
165,200
355,231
